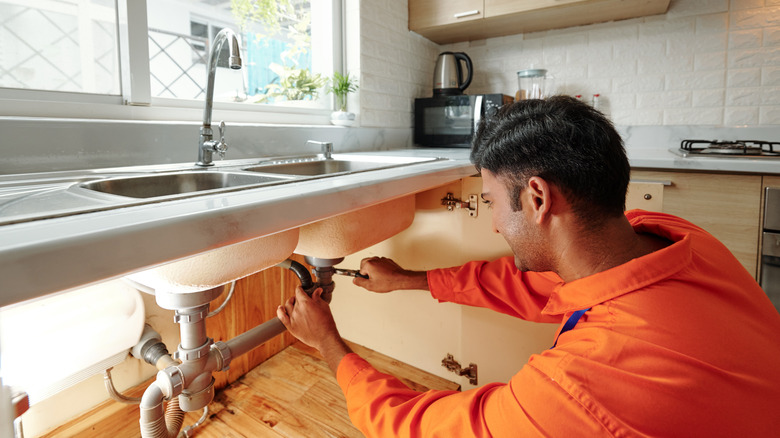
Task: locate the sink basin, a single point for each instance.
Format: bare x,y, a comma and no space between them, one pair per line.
348,233
178,183
219,266
338,164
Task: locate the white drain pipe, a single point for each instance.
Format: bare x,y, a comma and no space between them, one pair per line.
154,423
190,385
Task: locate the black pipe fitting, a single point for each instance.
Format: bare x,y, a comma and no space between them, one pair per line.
303,274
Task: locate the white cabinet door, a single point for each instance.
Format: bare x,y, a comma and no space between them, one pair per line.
499,344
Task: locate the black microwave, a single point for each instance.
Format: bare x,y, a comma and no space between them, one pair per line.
451,121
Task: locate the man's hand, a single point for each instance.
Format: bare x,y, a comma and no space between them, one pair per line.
384,275
309,319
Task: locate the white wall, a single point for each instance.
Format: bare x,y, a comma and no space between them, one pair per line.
705,62
396,65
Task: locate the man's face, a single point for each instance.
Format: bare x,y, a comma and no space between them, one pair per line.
516,227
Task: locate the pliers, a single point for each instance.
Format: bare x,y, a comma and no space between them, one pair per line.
349,273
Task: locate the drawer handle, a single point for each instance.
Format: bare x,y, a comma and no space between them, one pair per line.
466,14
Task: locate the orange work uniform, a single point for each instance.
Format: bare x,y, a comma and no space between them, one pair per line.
681,342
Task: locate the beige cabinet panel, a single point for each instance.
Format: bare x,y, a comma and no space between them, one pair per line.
412,327
434,19
409,326
430,13
727,206
504,7
499,344
645,195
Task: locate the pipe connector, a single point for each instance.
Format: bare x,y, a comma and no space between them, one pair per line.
151,349
187,354
223,355
307,284
170,381
194,401
191,317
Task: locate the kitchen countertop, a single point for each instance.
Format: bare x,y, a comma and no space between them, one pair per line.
641,158
39,257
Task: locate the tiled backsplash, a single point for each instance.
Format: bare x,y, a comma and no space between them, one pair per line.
396,64
705,62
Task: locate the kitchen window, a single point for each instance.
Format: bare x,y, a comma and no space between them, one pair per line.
59,46
132,59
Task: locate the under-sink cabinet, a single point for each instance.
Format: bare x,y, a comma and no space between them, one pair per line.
415,329
446,22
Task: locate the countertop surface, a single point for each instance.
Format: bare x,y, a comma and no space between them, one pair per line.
38,257
67,250
665,159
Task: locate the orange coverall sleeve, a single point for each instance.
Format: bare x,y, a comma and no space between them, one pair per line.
496,285
381,406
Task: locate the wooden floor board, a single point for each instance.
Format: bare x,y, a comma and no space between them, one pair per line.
293,394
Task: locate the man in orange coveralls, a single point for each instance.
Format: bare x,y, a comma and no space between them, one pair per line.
663,332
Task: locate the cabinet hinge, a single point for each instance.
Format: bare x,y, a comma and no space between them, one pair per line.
451,364
452,203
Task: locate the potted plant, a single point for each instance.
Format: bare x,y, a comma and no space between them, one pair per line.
292,84
340,87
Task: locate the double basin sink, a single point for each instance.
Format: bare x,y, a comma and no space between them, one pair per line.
200,182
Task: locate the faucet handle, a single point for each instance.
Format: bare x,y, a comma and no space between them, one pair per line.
221,147
222,131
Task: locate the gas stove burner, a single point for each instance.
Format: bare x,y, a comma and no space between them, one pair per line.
730,148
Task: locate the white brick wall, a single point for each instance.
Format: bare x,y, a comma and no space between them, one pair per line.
707,62
395,65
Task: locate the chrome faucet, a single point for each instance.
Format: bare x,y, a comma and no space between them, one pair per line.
326,148
207,145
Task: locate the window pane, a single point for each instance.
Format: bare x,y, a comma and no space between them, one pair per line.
280,62
60,45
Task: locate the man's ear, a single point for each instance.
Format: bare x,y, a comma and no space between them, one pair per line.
541,198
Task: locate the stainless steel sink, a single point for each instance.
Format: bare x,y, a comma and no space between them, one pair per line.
177,183
61,194
337,165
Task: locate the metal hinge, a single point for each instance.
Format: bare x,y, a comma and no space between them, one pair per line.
451,364
452,203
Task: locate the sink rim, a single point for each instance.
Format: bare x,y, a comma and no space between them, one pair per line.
245,169
92,201
262,181
84,189
382,162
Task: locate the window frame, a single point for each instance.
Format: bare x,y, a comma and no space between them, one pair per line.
135,101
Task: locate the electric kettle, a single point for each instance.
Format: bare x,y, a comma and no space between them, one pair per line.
448,74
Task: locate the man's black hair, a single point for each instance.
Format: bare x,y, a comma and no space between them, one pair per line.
562,140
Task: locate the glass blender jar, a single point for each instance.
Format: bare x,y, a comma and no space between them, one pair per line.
533,83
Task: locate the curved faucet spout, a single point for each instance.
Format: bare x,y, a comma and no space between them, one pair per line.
207,146
235,63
